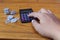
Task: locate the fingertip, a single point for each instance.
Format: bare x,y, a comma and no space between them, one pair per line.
34,14
30,14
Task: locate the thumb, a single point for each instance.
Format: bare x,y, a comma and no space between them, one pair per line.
35,24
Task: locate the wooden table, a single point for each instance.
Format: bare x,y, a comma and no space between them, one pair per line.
20,30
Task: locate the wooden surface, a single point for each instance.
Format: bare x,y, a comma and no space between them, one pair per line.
20,30
30,1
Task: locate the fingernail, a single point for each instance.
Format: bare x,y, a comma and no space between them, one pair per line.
32,20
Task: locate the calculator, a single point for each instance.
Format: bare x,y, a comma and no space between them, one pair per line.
24,15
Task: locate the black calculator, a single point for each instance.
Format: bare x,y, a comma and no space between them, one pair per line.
24,15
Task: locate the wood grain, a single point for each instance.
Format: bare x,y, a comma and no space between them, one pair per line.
18,1
30,1
20,30
49,1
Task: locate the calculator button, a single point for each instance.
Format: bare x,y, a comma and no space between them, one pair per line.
22,18
25,19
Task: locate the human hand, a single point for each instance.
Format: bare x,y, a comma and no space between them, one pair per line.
49,24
